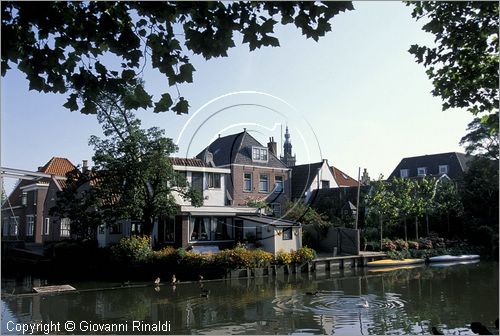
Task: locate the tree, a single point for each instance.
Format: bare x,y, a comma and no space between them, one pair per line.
77,202
479,191
446,199
403,192
86,48
425,194
463,66
479,140
135,178
381,203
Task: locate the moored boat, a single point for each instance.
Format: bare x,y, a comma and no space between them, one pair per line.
393,262
447,258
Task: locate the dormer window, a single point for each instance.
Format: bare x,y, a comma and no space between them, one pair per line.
443,169
404,173
421,171
259,154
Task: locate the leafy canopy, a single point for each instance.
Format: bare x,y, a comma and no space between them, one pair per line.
85,48
463,66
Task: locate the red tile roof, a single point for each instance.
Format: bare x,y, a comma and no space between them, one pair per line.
188,162
343,180
57,166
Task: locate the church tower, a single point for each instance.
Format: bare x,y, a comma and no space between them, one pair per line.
287,158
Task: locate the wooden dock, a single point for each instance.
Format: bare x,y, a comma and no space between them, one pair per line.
323,262
54,289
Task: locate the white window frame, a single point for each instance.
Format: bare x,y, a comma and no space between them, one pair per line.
288,228
420,169
404,173
443,171
260,154
30,225
245,180
266,190
212,179
65,229
278,185
46,226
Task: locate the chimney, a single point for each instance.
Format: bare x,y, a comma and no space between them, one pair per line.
271,146
208,157
365,178
85,166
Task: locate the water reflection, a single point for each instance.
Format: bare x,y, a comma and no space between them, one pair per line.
405,301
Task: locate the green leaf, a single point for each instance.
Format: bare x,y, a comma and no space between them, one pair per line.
71,103
181,107
163,104
186,73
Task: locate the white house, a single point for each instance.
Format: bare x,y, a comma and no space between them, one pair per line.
311,176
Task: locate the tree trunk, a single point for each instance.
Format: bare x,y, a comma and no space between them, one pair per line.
427,222
416,227
448,222
406,230
381,236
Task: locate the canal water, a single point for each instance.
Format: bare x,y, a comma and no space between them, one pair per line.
346,302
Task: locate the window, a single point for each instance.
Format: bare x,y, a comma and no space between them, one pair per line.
169,232
197,181
404,173
5,222
115,228
24,198
65,227
278,184
102,227
180,179
325,184
259,154
136,227
214,180
46,226
247,182
287,233
263,183
199,228
443,169
222,230
421,171
14,222
30,224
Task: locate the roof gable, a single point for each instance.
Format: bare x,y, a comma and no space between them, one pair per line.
302,177
237,149
343,180
57,166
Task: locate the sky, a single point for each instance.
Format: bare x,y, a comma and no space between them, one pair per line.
357,98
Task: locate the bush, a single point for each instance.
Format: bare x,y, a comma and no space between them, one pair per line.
134,249
425,243
413,245
283,258
260,258
193,259
303,255
373,246
401,244
239,257
166,254
388,245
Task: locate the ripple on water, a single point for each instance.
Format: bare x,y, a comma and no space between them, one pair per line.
345,308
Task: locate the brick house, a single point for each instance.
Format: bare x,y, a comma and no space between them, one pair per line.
23,211
256,171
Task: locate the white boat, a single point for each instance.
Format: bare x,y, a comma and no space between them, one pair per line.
447,258
454,263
